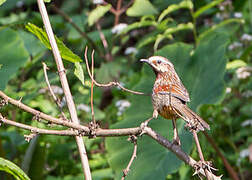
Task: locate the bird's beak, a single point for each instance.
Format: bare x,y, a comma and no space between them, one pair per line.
145,60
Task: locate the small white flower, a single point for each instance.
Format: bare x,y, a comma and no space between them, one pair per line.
248,122
228,90
98,1
244,153
238,15
247,94
234,46
221,7
130,50
119,28
122,105
57,89
19,4
246,37
83,107
243,72
226,110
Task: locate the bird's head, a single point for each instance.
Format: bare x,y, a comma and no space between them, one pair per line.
159,64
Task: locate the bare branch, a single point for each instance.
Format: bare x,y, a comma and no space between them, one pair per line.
36,130
110,83
56,100
84,131
133,139
65,87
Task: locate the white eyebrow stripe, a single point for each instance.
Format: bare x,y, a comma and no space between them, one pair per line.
161,59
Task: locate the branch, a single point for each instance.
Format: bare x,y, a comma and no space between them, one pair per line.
84,131
178,152
56,100
133,139
65,87
229,168
110,83
36,130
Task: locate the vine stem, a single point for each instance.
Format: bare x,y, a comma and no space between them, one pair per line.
65,87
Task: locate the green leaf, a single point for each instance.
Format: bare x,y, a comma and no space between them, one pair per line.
196,70
13,169
97,13
206,7
2,1
236,64
108,72
141,8
13,55
179,27
78,72
228,27
143,23
184,4
65,52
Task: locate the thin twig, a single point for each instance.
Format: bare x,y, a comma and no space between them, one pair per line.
108,55
200,152
56,100
117,15
37,130
65,87
110,83
229,168
92,94
84,131
82,33
133,139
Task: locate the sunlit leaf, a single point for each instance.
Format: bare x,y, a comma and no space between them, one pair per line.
2,1
235,64
179,27
65,52
78,72
184,4
97,13
13,169
141,8
206,7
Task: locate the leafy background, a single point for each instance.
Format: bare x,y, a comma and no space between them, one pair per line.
209,43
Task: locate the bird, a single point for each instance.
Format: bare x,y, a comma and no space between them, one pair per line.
170,97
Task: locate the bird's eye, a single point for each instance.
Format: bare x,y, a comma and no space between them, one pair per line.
158,61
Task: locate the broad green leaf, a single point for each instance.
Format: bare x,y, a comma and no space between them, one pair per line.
228,26
78,72
196,70
206,7
13,169
97,13
2,1
160,38
108,72
184,4
65,52
13,55
235,64
141,8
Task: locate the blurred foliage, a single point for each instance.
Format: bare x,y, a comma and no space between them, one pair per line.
209,43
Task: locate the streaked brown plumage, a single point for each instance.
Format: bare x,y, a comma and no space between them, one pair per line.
169,96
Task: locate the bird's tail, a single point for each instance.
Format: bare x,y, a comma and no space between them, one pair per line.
194,121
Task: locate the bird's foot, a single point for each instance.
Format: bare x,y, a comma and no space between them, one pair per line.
144,125
176,141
